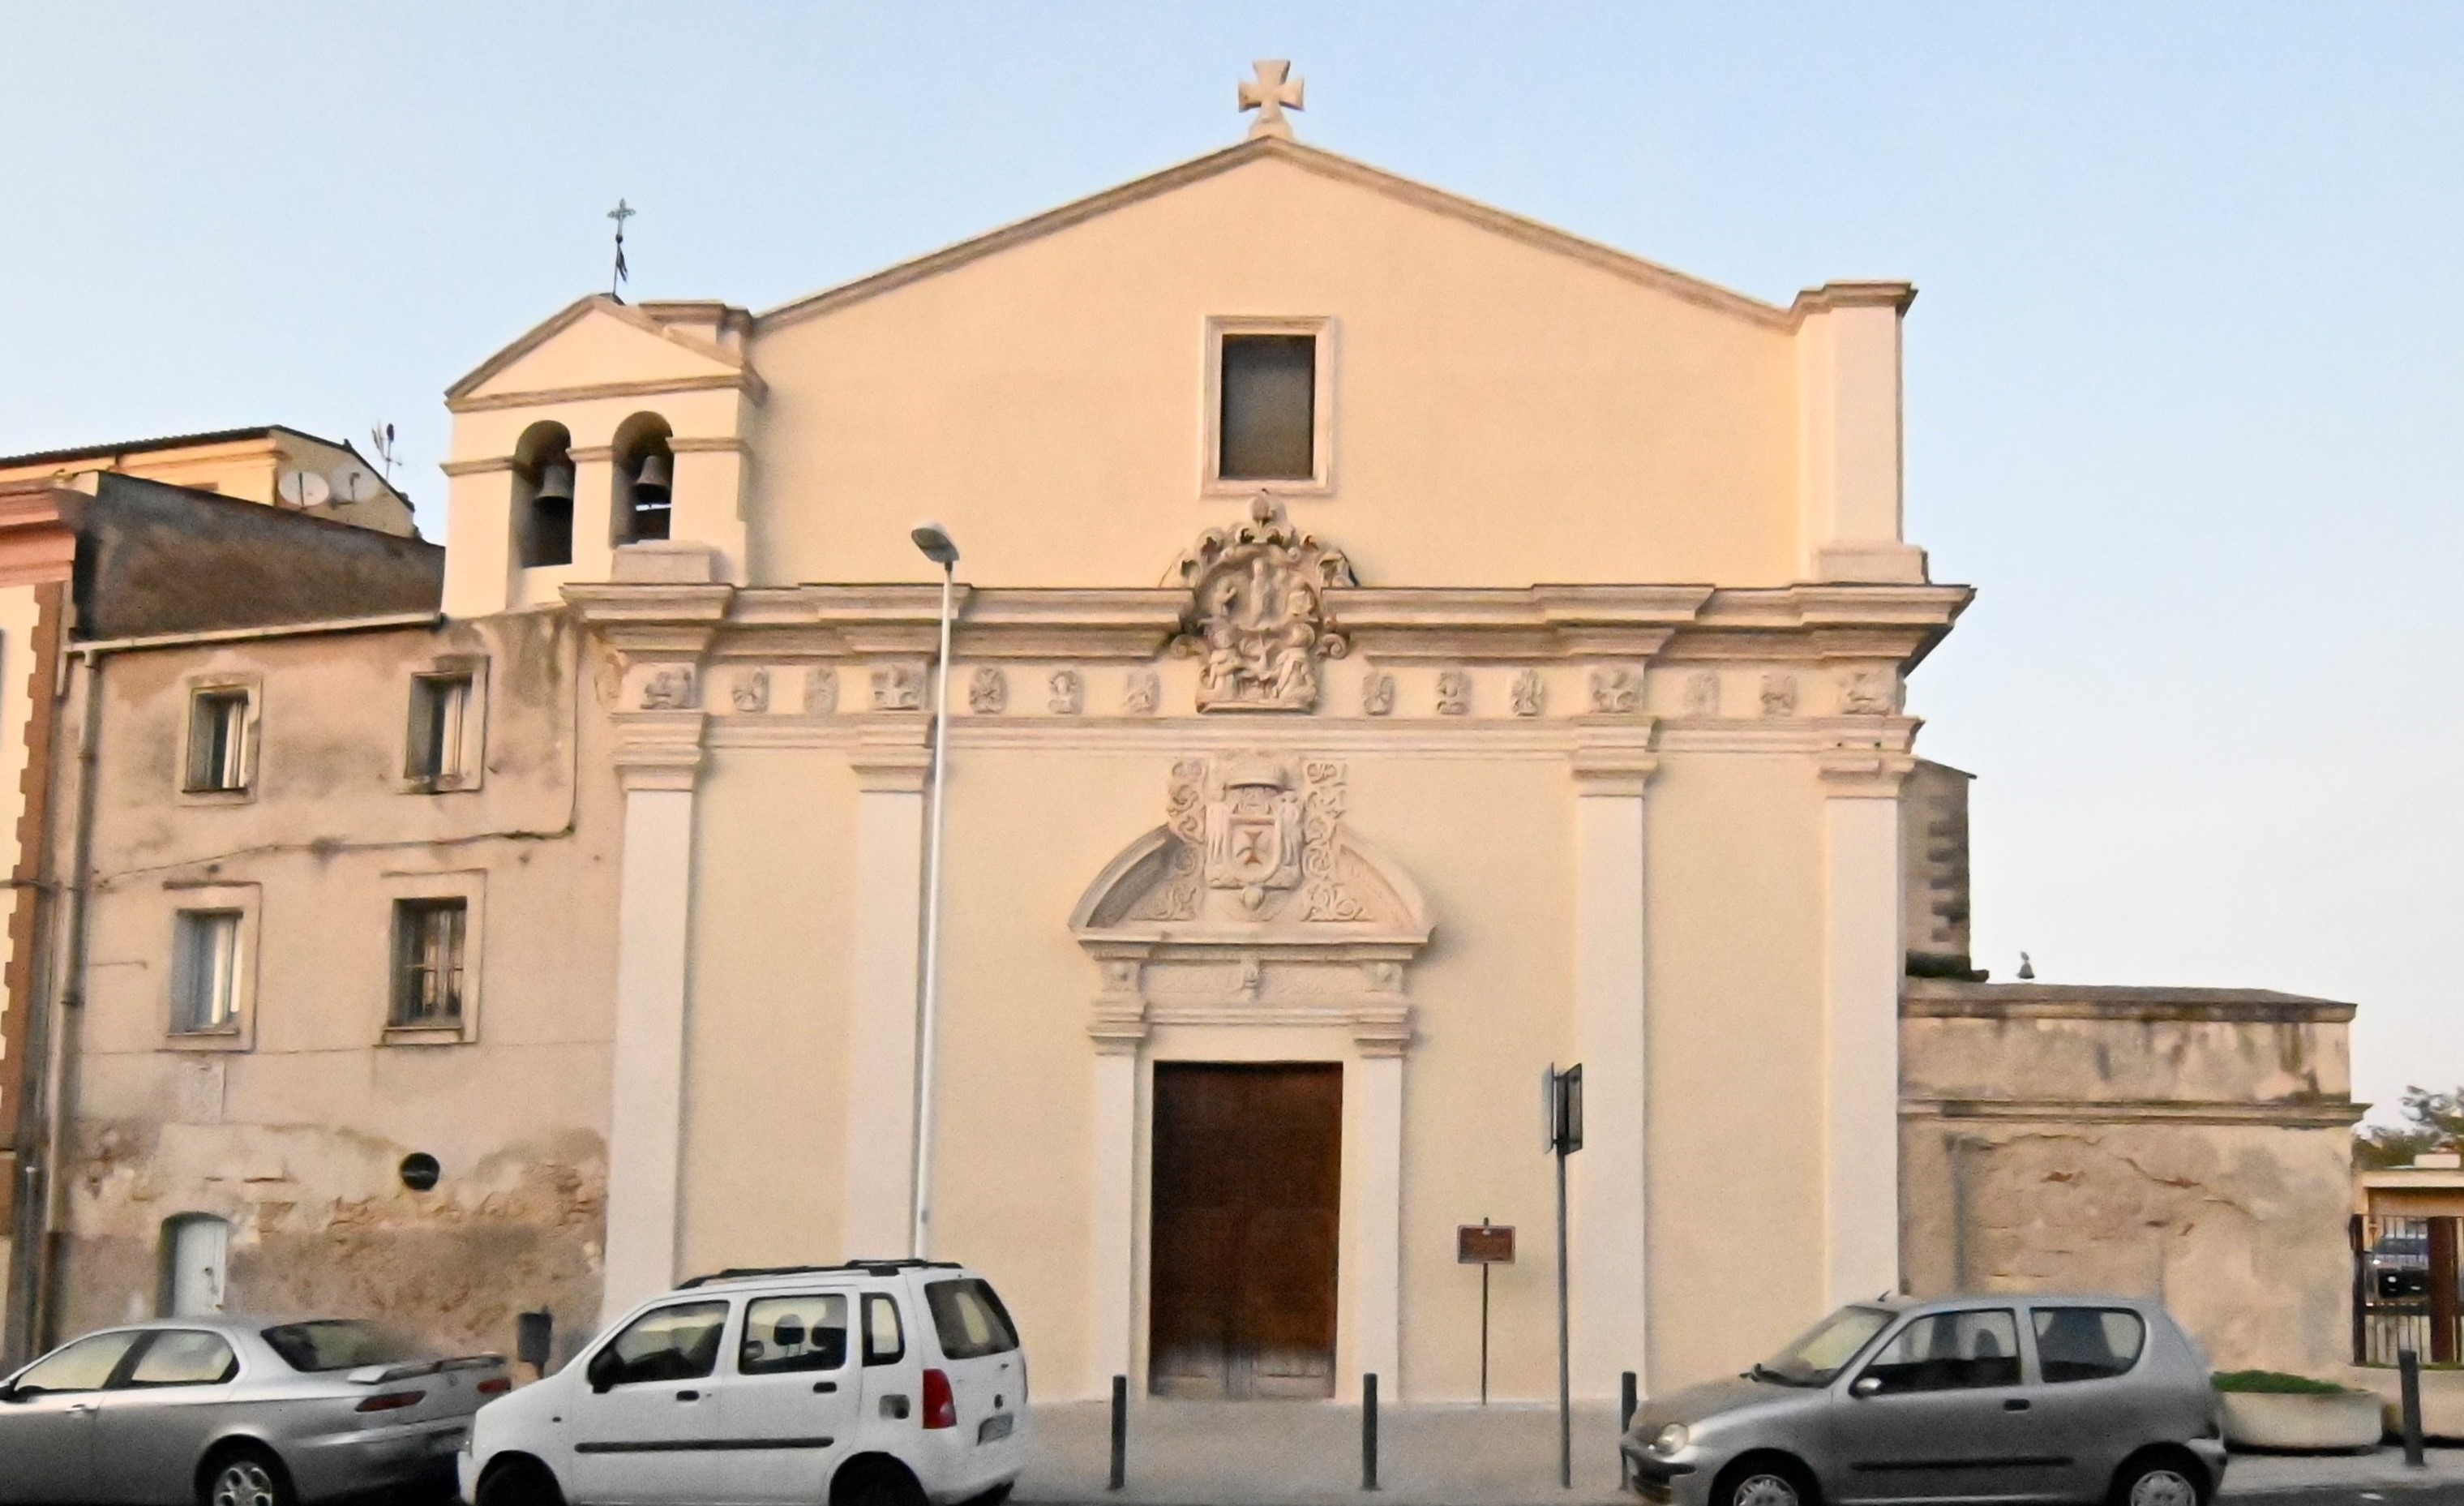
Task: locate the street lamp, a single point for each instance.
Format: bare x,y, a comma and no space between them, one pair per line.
934,541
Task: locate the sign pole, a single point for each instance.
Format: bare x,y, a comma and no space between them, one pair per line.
1485,1245
1484,1323
1565,1380
1565,1104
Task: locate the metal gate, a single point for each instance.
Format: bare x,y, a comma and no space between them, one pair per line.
2404,1288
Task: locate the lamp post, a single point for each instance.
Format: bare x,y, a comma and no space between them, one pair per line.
934,542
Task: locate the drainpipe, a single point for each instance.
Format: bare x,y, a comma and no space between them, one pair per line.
45,1111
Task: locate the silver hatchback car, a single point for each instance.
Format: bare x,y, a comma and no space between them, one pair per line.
1976,1398
231,1411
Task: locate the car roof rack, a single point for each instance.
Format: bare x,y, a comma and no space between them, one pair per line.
873,1267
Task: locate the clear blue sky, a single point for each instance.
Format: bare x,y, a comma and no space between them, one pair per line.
2186,380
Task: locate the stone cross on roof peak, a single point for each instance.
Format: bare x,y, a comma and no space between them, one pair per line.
1273,92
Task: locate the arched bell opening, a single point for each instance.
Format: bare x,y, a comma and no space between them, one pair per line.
543,496
645,469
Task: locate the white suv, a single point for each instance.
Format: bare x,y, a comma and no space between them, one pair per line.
875,1384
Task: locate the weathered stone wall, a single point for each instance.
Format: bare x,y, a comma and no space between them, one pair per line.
321,1223
292,1125
2192,1145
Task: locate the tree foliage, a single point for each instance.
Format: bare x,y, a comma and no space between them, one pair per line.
2432,1122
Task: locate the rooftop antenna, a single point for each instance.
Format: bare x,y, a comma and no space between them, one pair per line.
622,212
380,437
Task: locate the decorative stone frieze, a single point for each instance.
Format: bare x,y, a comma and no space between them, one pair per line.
1529,694
1869,692
1454,693
1703,693
1779,694
1068,693
820,690
1617,690
670,687
898,687
1378,694
752,692
1142,693
1258,620
988,691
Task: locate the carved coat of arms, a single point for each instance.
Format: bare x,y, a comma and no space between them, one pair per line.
1253,831
1258,619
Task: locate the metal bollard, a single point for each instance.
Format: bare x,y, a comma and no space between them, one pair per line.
2407,1364
1626,1403
1120,1433
1369,1432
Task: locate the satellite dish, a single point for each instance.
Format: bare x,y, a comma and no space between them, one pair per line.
302,489
353,482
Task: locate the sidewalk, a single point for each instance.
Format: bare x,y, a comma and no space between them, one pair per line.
1307,1453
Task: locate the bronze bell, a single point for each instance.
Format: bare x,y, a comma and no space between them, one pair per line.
556,480
653,483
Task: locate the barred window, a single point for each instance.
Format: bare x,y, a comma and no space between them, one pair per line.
429,942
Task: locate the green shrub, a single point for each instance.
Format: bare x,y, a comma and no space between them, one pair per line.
2274,1382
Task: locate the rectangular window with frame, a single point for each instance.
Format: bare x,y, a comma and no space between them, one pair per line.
204,971
429,942
1266,427
440,708
218,741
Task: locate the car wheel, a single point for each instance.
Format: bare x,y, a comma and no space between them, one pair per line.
2158,1482
876,1481
246,1476
519,1482
1765,1485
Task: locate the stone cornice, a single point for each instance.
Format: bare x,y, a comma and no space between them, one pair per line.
1881,625
38,539
1615,755
1867,757
2280,1113
1951,998
892,752
658,749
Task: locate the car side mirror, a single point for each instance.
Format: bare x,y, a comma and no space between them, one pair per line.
1865,1386
605,1368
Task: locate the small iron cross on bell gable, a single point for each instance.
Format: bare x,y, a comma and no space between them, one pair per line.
1274,91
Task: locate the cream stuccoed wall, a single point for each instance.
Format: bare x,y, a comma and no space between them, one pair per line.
1487,817
1046,403
1043,392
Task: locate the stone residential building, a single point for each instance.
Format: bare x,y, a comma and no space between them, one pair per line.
185,535
1399,647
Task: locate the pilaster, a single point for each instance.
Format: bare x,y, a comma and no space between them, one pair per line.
892,761
656,637
658,758
1608,1220
1861,773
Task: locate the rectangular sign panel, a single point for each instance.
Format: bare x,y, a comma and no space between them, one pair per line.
1485,1245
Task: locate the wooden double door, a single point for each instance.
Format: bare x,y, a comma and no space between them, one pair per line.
1247,1192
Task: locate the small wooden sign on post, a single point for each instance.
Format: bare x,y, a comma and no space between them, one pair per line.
1484,1245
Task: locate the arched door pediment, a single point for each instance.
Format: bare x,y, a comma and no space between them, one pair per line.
1253,903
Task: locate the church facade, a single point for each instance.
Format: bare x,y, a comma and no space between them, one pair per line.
1399,648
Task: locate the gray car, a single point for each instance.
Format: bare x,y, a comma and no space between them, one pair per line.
235,1411
1975,1398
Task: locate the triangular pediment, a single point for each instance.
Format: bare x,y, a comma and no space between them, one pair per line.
595,340
1322,164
